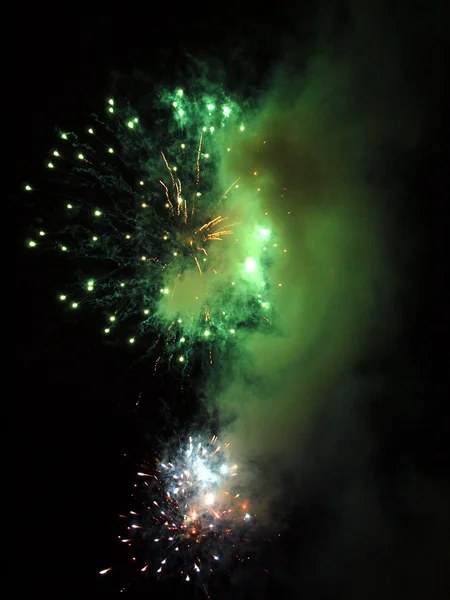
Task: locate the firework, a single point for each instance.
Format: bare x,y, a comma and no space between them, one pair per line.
193,517
163,244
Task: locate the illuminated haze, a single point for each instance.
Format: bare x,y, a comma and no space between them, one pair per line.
325,124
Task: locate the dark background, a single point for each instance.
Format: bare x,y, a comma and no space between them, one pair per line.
74,399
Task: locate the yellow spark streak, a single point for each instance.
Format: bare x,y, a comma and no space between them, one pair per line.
174,285
217,515
178,189
212,223
226,192
167,195
198,157
198,265
216,234
176,185
167,167
178,194
164,265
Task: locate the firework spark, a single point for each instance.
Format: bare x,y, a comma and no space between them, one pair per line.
193,520
165,243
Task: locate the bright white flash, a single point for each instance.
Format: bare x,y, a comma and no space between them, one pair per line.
250,265
209,499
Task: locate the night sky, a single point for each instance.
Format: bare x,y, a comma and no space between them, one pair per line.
367,509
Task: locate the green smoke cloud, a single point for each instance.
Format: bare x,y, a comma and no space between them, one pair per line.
315,144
